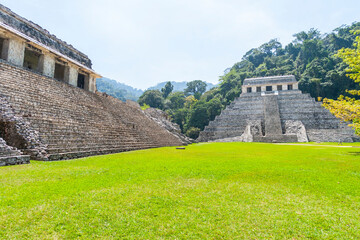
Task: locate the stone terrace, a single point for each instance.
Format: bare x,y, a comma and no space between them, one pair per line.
72,122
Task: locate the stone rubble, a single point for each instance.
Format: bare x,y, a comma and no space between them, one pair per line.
161,118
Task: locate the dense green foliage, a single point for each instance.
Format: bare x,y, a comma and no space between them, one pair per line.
188,108
348,108
195,88
167,89
208,191
153,98
118,90
311,57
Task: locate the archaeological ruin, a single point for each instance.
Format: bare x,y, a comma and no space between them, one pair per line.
273,109
49,106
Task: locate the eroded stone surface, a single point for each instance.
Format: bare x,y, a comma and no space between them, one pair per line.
161,118
296,127
19,132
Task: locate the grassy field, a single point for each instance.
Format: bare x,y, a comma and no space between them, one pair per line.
208,191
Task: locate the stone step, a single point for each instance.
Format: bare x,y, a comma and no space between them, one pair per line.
14,160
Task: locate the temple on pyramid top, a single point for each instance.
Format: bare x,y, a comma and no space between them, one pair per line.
269,84
273,109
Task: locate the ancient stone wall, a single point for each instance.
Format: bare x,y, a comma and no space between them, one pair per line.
43,36
10,155
18,133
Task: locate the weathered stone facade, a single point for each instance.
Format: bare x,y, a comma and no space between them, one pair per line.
272,109
25,44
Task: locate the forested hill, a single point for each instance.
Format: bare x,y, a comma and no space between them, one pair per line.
123,91
118,90
310,57
178,86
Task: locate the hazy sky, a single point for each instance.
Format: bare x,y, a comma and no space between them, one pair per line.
143,42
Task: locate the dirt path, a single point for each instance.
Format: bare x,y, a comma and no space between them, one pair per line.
315,145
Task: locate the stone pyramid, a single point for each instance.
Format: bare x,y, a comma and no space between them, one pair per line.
273,109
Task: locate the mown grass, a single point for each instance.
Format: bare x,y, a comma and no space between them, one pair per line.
208,191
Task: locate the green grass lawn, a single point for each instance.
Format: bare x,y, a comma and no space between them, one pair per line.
208,191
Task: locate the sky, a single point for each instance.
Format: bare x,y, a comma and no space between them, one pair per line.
141,42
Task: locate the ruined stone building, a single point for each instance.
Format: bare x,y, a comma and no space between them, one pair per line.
49,107
273,109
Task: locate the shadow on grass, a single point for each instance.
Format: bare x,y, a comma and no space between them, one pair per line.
354,153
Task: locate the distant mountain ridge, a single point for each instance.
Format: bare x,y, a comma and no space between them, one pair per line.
118,90
179,86
124,92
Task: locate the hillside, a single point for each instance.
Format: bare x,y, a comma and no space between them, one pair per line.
310,57
123,91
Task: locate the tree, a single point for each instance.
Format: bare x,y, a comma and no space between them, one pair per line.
214,108
193,132
179,116
177,100
347,108
153,98
195,88
198,116
167,89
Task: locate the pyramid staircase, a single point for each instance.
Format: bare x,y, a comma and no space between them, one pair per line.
291,105
71,122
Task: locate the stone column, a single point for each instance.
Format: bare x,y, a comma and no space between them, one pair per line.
71,75
92,83
47,65
296,85
243,89
87,82
263,88
14,51
284,86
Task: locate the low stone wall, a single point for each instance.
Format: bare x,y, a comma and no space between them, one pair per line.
10,155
